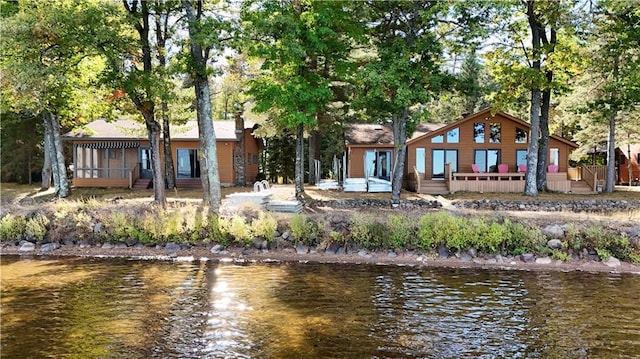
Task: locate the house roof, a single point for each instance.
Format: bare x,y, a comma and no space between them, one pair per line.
485,114
375,134
127,130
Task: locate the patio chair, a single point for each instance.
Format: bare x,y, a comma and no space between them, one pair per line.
475,169
503,168
522,168
552,169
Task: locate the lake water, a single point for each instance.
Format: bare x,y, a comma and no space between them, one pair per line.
117,308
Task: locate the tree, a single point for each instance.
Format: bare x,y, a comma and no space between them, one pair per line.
48,61
297,39
615,64
206,34
405,70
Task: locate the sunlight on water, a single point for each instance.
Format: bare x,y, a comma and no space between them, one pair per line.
114,308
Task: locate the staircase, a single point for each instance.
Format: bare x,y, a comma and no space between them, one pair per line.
580,187
141,184
433,187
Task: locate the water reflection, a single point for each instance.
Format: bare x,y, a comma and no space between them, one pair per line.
93,308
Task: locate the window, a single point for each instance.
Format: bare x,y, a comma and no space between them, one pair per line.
453,136
478,132
420,159
439,158
110,154
188,164
495,130
437,139
521,157
487,160
554,156
521,135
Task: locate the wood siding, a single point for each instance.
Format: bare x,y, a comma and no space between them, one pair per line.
466,146
622,154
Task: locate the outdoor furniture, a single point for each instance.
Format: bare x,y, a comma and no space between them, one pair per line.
552,169
503,168
522,168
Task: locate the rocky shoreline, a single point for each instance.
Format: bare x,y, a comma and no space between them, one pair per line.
304,254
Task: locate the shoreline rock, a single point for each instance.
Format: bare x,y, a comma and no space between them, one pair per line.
527,262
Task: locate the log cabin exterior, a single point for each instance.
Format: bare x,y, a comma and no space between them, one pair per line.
440,157
117,153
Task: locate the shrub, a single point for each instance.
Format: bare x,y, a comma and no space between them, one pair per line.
237,228
367,231
401,232
435,229
305,230
36,227
520,238
559,254
12,228
265,226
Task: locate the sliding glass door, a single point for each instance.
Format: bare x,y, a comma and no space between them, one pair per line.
439,158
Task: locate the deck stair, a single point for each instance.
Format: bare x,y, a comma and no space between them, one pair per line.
580,187
141,184
433,187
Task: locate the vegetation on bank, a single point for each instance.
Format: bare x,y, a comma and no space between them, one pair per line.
94,222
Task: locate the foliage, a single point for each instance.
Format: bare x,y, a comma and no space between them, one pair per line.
402,231
36,227
264,226
367,230
305,230
237,227
12,227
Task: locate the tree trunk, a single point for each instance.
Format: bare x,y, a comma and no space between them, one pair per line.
299,170
170,172
157,167
400,141
543,142
530,185
208,156
62,187
611,153
629,167
48,154
314,149
238,153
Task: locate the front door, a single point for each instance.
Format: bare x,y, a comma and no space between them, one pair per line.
377,163
145,163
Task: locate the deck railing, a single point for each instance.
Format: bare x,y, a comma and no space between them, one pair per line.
590,176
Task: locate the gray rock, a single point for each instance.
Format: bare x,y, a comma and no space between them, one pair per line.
121,245
282,243
528,257
341,251
362,253
392,254
49,247
543,260
553,231
69,242
472,252
521,206
26,246
98,227
107,245
171,247
499,258
264,245
216,248
286,235
613,262
443,252
257,243
130,242
492,261
554,244
302,249
464,256
247,251
478,260
332,248
173,255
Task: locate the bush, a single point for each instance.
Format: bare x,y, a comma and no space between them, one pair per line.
36,227
12,228
520,238
401,231
367,231
237,228
435,229
305,230
264,226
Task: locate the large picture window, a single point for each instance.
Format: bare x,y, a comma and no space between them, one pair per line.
188,164
487,160
439,158
521,135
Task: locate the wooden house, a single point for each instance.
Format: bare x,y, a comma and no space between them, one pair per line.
117,153
622,164
478,153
